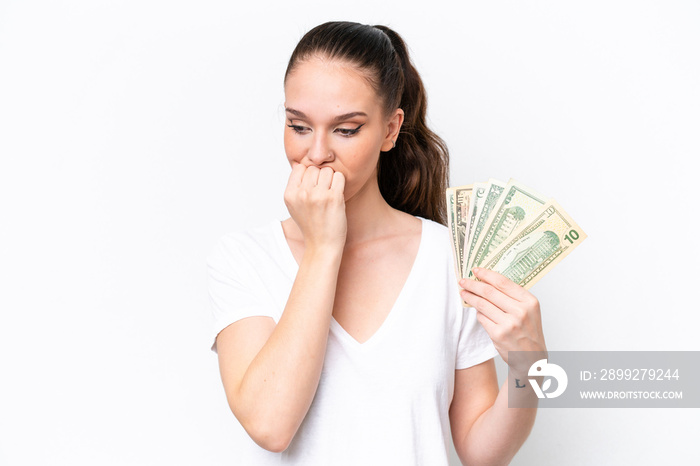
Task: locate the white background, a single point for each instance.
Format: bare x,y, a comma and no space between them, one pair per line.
133,134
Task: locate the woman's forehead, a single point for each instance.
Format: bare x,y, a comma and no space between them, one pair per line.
323,87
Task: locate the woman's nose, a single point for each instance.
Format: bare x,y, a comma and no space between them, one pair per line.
320,151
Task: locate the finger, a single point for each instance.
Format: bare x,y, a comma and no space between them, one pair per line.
325,177
489,293
296,175
338,183
488,324
310,178
484,306
502,283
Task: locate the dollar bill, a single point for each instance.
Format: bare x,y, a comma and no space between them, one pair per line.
537,246
517,204
462,201
494,188
452,227
478,198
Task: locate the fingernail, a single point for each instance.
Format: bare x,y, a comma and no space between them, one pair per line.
476,270
462,282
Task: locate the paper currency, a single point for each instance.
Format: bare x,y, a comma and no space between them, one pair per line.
478,198
463,195
452,227
458,202
494,188
517,204
537,246
509,228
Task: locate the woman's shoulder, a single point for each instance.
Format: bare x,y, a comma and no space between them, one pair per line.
431,236
434,229
432,224
418,226
436,239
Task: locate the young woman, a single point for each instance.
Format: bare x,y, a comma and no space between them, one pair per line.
340,331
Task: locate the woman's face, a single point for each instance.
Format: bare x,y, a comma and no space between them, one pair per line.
334,118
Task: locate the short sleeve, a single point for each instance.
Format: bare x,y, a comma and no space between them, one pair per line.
475,345
235,287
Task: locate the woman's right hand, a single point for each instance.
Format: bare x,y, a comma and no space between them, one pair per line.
315,200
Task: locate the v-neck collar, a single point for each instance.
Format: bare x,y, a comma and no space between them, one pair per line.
291,267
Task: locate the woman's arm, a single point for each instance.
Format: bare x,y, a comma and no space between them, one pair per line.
271,372
486,430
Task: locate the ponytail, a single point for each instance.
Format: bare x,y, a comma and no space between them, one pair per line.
412,176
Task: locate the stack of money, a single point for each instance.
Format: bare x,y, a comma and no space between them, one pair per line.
508,228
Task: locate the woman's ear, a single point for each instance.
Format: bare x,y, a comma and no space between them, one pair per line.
393,129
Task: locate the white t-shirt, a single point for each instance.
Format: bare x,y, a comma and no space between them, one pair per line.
381,402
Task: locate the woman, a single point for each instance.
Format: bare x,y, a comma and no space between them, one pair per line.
340,331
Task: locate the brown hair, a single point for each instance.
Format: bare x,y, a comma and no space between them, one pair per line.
413,176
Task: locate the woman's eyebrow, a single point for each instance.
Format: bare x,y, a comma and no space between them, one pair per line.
296,113
343,117
347,116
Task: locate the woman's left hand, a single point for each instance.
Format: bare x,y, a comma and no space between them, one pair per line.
508,312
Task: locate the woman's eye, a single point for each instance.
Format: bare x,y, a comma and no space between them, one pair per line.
349,132
298,129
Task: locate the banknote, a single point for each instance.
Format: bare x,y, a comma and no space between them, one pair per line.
517,204
452,227
509,228
477,199
536,246
494,189
462,201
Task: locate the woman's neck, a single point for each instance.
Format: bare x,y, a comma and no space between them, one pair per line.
369,215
